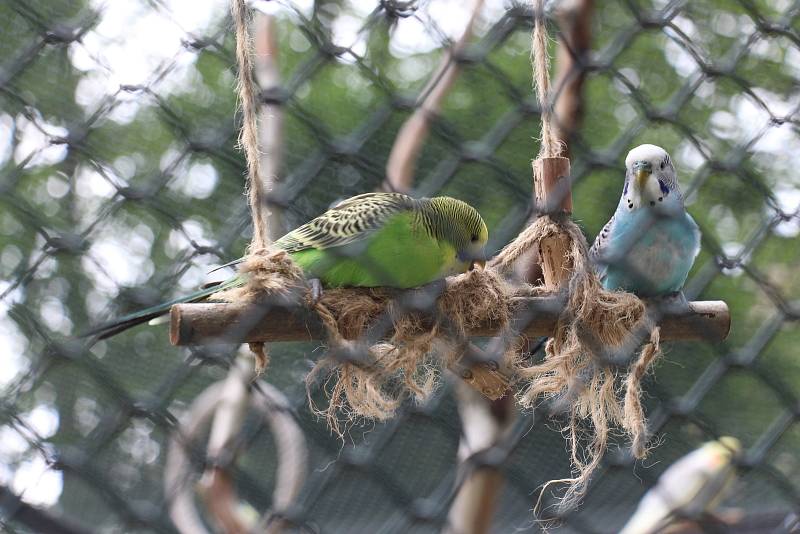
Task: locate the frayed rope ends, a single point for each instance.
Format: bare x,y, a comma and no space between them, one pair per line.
269,273
370,382
589,370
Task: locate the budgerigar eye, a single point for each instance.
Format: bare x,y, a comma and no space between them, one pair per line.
663,164
474,237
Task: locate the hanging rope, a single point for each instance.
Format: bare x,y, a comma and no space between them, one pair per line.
540,64
248,135
357,389
248,142
269,271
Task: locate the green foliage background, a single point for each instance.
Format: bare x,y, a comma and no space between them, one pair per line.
147,177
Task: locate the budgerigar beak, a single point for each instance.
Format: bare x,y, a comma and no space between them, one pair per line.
641,170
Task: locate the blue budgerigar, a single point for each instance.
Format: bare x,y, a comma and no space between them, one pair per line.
650,243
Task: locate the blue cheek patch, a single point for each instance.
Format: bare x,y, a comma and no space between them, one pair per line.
625,189
664,188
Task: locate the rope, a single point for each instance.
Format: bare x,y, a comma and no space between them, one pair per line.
527,239
248,141
634,422
540,64
248,136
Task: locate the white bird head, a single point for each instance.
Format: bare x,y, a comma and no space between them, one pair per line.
650,179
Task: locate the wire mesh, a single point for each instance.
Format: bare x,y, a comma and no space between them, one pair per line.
121,186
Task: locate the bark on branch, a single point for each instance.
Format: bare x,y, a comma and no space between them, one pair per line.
202,323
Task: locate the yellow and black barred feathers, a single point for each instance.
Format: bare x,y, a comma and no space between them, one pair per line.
458,222
358,217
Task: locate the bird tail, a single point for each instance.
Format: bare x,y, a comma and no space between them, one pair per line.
229,264
116,326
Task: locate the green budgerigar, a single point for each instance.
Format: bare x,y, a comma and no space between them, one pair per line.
370,240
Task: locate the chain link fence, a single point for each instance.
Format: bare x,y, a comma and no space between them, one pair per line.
121,187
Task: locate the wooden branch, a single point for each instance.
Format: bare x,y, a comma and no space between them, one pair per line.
219,496
484,424
474,507
292,451
575,39
216,487
552,186
203,323
409,141
270,133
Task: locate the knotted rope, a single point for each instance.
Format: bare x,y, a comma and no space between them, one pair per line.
370,381
587,370
248,135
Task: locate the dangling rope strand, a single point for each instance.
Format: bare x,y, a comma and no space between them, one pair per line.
540,64
248,136
248,141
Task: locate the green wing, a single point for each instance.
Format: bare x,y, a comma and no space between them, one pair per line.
348,222
374,239
401,253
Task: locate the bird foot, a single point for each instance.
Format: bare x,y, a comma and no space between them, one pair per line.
316,290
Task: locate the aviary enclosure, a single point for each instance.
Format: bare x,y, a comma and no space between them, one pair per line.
145,144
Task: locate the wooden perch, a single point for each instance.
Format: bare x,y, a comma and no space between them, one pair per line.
202,323
574,43
205,323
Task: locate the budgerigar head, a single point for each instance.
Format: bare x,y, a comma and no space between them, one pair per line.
650,178
723,450
461,225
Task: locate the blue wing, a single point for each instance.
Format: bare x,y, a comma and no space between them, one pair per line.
646,252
